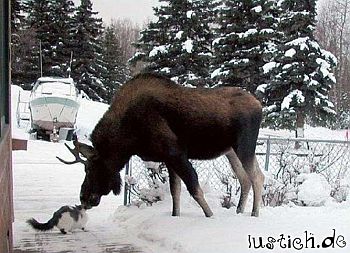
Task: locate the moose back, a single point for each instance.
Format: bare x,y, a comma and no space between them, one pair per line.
158,120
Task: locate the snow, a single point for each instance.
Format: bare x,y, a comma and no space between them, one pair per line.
269,66
266,30
324,68
88,116
179,34
217,41
189,14
219,72
247,33
301,42
17,94
42,184
159,49
155,230
295,94
257,9
290,53
314,189
262,87
188,46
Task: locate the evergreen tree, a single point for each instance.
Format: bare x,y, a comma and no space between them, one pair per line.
62,12
179,43
87,63
16,17
17,20
245,42
115,72
39,21
300,74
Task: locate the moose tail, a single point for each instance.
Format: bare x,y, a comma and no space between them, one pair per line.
42,226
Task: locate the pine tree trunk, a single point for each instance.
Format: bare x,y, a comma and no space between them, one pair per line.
300,121
300,124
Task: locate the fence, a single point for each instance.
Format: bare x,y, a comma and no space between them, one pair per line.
281,160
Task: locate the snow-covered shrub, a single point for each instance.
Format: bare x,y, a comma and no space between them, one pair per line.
276,193
314,190
156,185
288,166
341,189
227,200
280,185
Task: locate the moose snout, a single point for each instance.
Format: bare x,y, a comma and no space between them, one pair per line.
90,201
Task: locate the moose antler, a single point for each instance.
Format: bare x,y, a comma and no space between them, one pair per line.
75,152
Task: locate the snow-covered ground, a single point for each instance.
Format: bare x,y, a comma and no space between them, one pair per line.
42,184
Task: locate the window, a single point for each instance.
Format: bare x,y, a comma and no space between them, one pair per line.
4,65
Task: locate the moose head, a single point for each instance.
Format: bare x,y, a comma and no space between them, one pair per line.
99,178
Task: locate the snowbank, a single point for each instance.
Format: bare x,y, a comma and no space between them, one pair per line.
314,189
18,94
89,114
155,230
321,133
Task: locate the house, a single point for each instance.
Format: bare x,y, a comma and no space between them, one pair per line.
6,202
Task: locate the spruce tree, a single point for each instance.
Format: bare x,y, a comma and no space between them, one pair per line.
245,42
17,56
16,17
87,62
62,29
39,21
115,72
301,75
178,44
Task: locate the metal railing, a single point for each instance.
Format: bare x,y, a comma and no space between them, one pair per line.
277,157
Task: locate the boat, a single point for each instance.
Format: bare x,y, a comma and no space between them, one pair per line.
53,104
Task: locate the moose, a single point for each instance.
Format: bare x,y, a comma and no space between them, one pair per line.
156,119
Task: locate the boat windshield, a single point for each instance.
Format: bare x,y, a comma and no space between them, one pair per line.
54,87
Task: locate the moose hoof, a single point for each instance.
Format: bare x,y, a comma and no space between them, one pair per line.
209,214
239,210
255,214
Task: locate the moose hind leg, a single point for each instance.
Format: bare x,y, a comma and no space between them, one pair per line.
185,171
258,185
243,179
175,189
257,179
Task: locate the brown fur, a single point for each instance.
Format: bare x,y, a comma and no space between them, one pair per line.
156,119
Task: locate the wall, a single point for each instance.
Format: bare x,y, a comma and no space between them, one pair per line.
6,202
6,205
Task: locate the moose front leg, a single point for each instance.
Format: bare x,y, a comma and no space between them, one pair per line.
183,168
175,189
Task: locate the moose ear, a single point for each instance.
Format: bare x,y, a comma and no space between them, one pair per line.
86,150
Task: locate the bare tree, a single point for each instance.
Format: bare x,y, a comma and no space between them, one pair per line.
333,32
127,32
